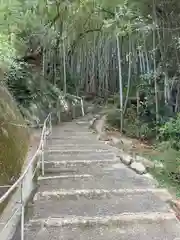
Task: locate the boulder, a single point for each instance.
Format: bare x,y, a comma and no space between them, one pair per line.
138,167
125,158
147,163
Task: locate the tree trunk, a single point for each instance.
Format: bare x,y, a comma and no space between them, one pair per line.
120,82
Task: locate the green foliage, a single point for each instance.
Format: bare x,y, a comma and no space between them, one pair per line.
131,127
169,174
170,131
7,53
35,96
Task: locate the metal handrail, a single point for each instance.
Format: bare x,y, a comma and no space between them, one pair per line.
39,151
19,182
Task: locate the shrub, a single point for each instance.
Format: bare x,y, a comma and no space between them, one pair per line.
132,127
170,131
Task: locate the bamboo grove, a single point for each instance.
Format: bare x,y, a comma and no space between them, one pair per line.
127,49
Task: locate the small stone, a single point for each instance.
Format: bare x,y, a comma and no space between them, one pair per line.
92,122
148,175
126,159
158,164
146,162
116,141
102,137
138,167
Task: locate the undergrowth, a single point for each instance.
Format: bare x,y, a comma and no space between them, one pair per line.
164,136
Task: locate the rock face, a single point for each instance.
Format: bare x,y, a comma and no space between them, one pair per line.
14,138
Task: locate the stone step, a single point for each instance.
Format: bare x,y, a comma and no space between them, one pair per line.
72,134
82,167
70,137
78,155
78,144
70,141
82,163
65,176
81,147
75,128
153,227
71,127
99,205
118,178
163,194
109,220
78,151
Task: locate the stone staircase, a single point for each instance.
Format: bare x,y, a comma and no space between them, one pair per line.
88,194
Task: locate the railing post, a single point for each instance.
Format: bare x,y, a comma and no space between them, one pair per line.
50,123
59,110
82,107
22,213
42,158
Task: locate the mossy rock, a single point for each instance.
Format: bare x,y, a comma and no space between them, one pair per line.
14,138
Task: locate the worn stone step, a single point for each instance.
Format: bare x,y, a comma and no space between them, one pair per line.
101,205
118,178
167,229
77,151
76,148
71,126
82,167
163,194
77,144
93,167
78,155
64,176
83,163
72,134
74,128
108,220
55,171
70,137
69,141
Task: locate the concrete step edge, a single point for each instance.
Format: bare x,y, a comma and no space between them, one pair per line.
77,145
41,178
103,220
162,193
83,162
98,150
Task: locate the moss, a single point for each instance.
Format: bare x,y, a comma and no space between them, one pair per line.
14,138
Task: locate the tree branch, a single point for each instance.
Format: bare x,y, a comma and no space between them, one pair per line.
80,36
107,11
